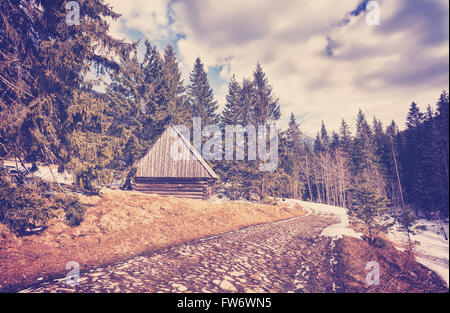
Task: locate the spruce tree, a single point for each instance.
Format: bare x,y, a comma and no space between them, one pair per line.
364,156
411,155
334,144
175,88
345,138
247,101
159,106
294,135
415,117
318,147
291,155
369,205
442,151
232,113
44,61
266,107
230,171
363,153
201,98
324,138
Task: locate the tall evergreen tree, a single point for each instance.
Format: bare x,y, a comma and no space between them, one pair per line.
232,113
159,105
411,154
231,171
334,144
43,62
442,152
345,137
415,117
175,88
363,147
318,147
294,135
369,205
364,156
392,166
291,154
201,98
247,101
324,138
266,107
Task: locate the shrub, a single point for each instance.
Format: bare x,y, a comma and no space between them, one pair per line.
22,206
73,209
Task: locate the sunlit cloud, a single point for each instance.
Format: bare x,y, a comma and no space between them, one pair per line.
323,60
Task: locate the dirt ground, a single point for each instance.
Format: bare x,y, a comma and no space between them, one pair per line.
399,273
122,224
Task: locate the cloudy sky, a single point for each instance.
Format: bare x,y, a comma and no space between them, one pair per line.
323,58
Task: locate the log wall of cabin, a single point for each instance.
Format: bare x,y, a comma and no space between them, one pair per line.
199,188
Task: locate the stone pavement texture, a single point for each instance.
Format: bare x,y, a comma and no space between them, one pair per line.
286,256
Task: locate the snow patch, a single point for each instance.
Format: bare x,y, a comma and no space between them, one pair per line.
430,247
337,230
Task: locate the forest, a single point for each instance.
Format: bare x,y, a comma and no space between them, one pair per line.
51,113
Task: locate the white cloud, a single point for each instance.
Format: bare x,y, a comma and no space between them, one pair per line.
380,69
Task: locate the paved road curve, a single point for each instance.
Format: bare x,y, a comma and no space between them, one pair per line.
286,256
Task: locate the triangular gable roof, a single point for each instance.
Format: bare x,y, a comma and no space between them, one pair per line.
158,161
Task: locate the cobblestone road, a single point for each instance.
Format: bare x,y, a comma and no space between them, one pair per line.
286,256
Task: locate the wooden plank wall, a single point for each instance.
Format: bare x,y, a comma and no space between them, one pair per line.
158,162
180,187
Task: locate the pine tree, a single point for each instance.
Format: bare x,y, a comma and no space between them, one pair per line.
175,88
247,101
381,145
318,147
48,107
44,61
369,205
159,105
324,138
201,98
415,117
363,153
291,154
442,151
129,97
232,113
411,155
294,135
334,144
345,138
266,107
391,150
231,171
364,156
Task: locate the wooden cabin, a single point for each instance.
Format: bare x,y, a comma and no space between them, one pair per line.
159,172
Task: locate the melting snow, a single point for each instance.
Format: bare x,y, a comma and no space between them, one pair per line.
336,230
430,247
